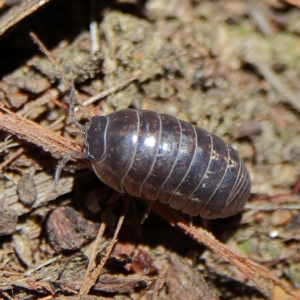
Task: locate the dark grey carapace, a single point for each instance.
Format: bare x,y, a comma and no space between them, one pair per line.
161,157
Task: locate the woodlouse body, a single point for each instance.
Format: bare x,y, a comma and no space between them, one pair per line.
161,157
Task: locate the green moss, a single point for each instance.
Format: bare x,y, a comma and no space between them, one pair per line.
245,247
295,276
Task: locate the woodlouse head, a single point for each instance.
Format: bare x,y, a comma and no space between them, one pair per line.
95,136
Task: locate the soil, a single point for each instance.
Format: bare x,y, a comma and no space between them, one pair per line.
231,67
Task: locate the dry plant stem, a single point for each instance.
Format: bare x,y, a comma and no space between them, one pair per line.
20,11
294,2
289,96
11,158
129,80
51,58
35,134
159,282
92,263
258,10
273,207
144,292
245,265
91,277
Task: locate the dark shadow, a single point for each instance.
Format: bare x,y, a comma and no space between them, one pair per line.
54,22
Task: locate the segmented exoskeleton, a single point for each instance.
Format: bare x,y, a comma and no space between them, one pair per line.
164,158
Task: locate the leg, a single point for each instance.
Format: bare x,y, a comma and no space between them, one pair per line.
64,161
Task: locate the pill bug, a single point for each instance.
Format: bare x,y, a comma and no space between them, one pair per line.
159,156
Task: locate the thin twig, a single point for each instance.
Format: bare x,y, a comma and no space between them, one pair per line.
129,80
287,94
273,207
259,11
294,2
92,261
245,265
11,158
90,278
51,58
35,134
86,285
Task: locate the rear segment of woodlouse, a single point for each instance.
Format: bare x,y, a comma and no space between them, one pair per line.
161,157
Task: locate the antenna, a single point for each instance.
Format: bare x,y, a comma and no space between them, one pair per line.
72,109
